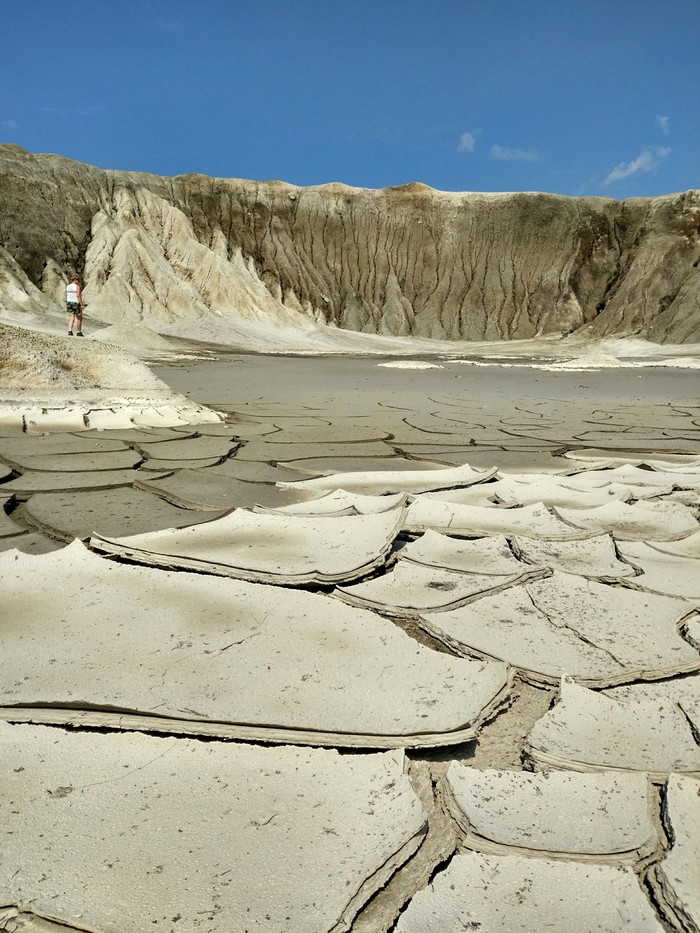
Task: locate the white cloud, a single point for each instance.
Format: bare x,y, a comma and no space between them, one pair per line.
647,161
9,125
505,154
467,142
662,123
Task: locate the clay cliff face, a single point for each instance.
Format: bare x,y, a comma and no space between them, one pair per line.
194,254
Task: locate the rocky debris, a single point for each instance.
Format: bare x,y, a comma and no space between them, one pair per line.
283,839
241,258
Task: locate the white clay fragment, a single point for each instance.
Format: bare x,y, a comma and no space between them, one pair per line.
409,588
388,481
272,548
491,555
630,475
686,547
663,573
593,557
8,528
553,813
565,624
494,894
589,731
207,655
660,521
341,503
550,492
480,494
99,832
536,521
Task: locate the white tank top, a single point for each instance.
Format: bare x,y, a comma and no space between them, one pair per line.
72,293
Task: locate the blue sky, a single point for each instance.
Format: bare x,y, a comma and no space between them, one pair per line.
596,97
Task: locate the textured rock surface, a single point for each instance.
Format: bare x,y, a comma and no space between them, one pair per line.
407,260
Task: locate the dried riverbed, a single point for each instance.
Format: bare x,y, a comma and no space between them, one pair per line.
464,693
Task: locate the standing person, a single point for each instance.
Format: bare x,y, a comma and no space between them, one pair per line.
74,305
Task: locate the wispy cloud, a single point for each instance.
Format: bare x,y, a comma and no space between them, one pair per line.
647,161
662,123
505,154
467,142
9,125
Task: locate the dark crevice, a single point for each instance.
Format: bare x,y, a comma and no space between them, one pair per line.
439,868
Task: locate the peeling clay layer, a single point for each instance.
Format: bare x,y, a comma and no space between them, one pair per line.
135,689
225,657
324,831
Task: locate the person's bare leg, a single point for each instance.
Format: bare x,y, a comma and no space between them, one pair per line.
71,321
79,318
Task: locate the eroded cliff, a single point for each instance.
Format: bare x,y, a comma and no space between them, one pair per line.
192,255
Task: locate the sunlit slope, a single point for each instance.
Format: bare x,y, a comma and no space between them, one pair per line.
202,257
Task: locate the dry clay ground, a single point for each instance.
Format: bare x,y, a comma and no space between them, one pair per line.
388,649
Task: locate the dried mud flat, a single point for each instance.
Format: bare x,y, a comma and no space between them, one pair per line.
387,649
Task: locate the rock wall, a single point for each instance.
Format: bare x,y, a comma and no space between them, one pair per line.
190,253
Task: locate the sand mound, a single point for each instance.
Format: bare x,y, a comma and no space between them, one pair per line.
35,364
65,383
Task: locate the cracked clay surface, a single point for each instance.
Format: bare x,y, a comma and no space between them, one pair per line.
383,650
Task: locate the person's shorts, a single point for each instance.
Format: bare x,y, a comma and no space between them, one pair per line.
73,307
